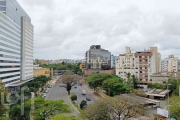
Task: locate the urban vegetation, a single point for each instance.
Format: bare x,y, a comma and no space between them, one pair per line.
175,107
73,67
111,108
69,79
63,117
112,84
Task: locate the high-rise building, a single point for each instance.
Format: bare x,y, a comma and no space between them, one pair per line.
113,60
98,58
125,64
164,65
16,44
172,63
178,65
142,64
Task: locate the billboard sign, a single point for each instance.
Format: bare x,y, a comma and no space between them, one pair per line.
162,112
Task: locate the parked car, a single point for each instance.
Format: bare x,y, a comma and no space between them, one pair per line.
83,92
50,86
88,98
47,90
44,95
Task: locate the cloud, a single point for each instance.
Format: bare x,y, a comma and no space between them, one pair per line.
66,29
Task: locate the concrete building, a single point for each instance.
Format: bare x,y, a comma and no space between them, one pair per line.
147,62
16,44
38,71
97,58
164,65
125,64
172,63
113,61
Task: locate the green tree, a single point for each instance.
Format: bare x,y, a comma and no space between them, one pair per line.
83,104
48,108
15,112
95,80
63,117
135,82
115,87
3,90
128,75
174,85
74,97
175,107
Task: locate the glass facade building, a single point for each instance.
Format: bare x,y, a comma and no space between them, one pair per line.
11,41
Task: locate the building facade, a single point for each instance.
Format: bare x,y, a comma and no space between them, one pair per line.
13,40
142,64
178,65
113,61
125,63
164,65
97,58
172,63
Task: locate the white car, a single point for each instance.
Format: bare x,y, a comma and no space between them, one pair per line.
44,95
83,92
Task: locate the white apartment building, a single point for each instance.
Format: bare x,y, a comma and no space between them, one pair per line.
16,46
125,64
164,65
142,64
172,63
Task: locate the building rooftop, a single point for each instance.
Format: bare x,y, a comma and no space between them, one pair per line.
158,92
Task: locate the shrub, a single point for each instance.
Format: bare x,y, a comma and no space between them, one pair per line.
74,97
82,104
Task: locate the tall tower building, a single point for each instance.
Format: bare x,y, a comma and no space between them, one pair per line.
16,44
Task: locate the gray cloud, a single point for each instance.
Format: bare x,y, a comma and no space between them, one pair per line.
66,29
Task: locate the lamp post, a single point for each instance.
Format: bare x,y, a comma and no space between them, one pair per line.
168,101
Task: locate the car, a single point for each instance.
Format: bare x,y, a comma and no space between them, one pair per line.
88,98
47,90
83,92
50,86
44,95
75,87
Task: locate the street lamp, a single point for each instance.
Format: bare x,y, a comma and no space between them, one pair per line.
168,100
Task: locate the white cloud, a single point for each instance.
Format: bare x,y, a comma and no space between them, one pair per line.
66,29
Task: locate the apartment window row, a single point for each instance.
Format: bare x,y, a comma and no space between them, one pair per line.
3,3
9,66
8,56
9,41
9,76
9,51
12,28
11,81
18,40
4,72
8,61
5,45
9,31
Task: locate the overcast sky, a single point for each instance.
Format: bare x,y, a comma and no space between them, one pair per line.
67,28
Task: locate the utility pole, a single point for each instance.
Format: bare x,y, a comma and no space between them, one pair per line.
179,90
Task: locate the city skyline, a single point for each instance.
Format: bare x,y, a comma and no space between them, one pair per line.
63,26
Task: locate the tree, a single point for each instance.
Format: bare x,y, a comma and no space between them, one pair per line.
83,104
113,108
74,97
95,80
3,90
175,107
69,79
115,87
135,82
128,75
15,112
48,108
174,85
63,117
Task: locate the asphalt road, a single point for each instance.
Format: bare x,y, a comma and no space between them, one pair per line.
80,97
60,93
